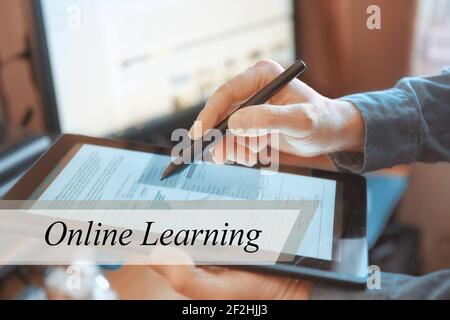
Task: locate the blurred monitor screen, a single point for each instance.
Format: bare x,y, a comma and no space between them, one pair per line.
116,64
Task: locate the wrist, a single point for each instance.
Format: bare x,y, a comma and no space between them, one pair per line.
351,132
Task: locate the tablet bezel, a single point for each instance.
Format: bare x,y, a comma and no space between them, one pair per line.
350,208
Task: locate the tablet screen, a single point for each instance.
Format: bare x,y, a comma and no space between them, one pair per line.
92,173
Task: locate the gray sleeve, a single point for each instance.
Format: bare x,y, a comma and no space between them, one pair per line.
408,123
393,286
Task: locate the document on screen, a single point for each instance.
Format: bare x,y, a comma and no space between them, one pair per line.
95,173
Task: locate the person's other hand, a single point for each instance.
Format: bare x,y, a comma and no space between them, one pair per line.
213,283
306,123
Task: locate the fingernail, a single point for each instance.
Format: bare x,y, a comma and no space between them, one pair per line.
215,158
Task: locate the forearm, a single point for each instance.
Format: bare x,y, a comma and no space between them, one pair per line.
408,123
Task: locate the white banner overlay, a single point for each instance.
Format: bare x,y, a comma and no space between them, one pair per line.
210,236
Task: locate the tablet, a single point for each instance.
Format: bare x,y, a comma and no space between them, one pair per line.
333,246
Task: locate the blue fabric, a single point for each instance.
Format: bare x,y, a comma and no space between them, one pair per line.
408,123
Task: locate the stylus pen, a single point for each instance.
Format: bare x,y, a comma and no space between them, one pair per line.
259,98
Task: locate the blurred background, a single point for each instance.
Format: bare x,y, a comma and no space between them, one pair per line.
138,69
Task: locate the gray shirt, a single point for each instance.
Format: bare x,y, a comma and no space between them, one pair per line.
404,124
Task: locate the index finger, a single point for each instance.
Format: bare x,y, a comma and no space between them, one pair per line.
224,101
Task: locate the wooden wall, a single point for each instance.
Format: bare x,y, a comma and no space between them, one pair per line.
343,55
19,87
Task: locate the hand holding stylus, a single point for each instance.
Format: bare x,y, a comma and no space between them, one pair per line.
262,95
308,124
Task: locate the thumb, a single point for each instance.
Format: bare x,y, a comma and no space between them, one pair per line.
198,283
